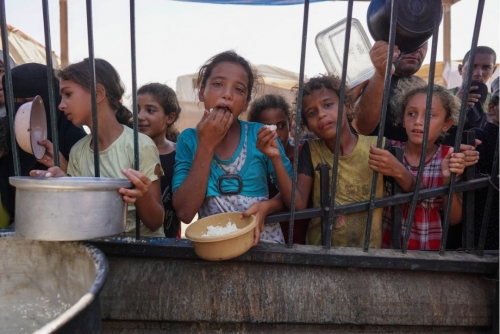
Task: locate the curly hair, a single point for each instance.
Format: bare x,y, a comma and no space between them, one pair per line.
265,102
324,82
407,89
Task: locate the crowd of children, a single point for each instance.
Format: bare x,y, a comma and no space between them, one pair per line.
227,164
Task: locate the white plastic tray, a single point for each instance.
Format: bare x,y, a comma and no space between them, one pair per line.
330,44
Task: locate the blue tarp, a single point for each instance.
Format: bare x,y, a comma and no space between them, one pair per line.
255,2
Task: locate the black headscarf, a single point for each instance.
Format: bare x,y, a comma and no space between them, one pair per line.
29,80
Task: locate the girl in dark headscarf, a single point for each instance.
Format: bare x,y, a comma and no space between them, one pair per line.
28,81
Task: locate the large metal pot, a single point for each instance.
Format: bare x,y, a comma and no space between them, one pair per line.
415,22
69,208
50,287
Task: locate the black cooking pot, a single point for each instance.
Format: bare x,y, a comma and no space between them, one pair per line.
415,21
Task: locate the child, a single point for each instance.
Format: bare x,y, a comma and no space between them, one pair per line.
116,148
218,168
488,134
158,110
440,161
272,109
319,114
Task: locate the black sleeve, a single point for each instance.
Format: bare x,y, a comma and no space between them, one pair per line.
305,163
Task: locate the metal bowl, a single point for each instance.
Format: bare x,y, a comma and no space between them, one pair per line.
223,247
50,287
69,208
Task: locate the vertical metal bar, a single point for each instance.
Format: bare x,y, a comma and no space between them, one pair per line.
333,188
8,90
50,81
297,122
90,35
489,203
134,104
461,120
324,179
381,127
425,138
396,209
468,199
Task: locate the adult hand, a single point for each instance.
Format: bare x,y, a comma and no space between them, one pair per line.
452,163
213,126
382,161
378,56
473,98
51,172
140,182
257,210
266,142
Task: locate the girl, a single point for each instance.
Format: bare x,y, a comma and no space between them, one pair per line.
116,148
272,109
158,110
320,115
440,161
218,168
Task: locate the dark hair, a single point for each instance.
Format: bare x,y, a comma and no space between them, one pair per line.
324,82
230,57
105,75
265,102
482,50
406,90
164,95
167,99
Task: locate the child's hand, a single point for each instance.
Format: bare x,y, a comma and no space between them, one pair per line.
213,126
51,172
452,163
471,155
140,182
382,161
378,56
48,157
256,210
266,142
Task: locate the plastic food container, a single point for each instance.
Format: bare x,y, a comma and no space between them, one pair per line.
330,44
221,247
30,125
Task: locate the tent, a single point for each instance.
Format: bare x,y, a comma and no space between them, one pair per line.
24,49
275,81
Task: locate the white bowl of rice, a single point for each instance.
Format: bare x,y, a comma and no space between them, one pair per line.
221,237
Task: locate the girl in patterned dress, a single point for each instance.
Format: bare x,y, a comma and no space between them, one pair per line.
218,167
440,162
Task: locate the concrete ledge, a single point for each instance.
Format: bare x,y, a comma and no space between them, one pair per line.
193,291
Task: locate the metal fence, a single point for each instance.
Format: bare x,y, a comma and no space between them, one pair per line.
328,210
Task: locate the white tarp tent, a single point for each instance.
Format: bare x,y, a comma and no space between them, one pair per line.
24,49
276,81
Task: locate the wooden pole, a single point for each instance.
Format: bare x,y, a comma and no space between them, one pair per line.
63,17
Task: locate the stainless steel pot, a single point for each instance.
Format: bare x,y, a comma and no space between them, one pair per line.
50,287
69,208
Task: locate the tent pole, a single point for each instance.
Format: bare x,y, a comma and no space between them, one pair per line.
63,21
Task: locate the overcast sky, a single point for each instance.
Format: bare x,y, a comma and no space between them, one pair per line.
175,38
